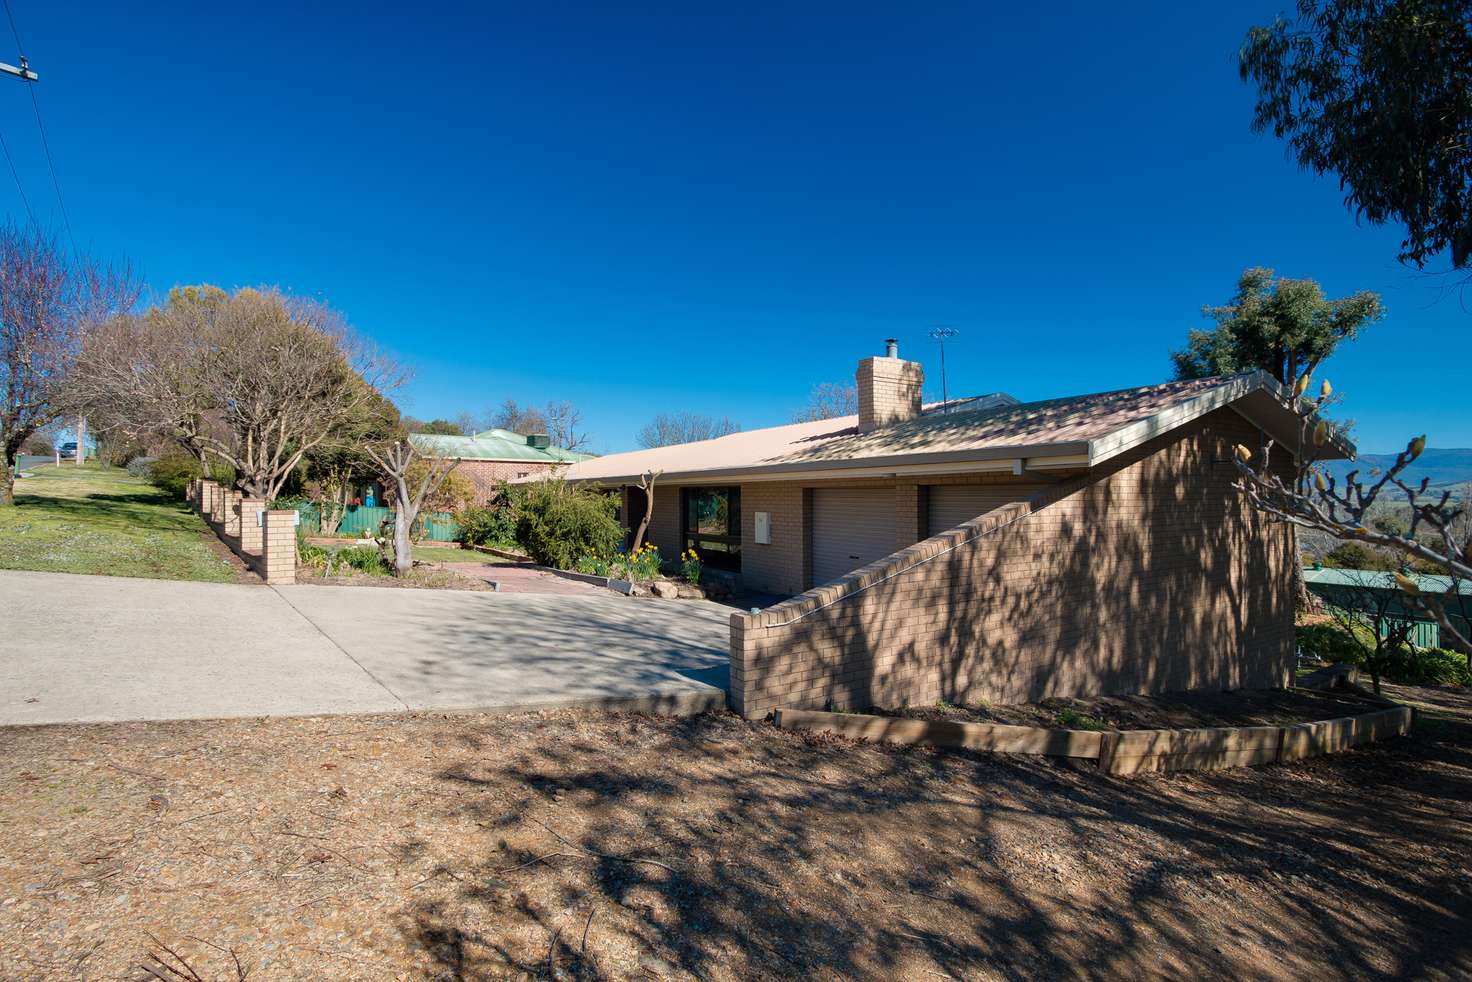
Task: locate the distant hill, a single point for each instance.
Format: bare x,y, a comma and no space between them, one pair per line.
1444,467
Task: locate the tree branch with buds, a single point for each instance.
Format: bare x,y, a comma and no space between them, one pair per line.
1309,498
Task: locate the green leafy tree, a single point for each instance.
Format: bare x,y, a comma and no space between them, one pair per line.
1378,92
1281,326
336,467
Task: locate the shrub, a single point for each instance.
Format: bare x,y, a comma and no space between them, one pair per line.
487,526
1328,643
1427,666
142,466
1406,664
556,523
494,523
364,560
308,554
174,470
1357,555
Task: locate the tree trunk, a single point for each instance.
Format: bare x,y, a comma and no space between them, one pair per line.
403,549
334,506
648,514
7,482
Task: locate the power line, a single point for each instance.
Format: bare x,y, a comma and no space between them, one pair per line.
29,78
46,146
16,174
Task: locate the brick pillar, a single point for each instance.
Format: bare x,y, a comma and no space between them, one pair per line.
207,492
252,530
280,548
232,513
217,504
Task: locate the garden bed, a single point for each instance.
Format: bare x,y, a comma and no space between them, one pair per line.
1176,710
421,577
598,845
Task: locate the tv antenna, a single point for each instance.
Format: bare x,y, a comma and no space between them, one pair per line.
941,335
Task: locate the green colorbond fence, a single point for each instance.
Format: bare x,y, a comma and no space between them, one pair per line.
439,526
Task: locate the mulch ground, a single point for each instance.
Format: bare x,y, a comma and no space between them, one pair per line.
584,845
1177,710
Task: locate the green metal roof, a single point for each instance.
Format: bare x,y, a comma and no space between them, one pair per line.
493,445
1377,580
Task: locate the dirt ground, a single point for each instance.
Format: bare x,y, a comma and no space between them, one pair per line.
585,845
1178,710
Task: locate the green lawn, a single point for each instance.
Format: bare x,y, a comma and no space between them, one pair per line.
93,519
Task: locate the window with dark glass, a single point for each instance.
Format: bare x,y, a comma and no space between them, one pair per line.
712,525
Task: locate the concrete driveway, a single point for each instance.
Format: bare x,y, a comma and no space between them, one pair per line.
93,648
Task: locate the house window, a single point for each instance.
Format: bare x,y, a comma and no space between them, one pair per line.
712,525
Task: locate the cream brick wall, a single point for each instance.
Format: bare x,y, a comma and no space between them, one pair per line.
1152,576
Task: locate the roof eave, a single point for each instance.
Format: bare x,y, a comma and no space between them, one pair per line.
1035,456
1269,413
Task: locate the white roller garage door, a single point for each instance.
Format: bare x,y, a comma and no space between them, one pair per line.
852,527
948,505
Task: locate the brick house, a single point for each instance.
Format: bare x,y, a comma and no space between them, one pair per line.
488,458
987,549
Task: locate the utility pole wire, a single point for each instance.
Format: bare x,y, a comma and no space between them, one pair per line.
16,174
30,78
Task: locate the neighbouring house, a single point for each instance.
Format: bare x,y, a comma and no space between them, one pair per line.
987,549
1377,595
488,458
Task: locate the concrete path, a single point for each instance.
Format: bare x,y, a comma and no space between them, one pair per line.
93,648
521,578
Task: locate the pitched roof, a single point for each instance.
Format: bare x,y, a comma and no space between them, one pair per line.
1075,432
1375,579
492,445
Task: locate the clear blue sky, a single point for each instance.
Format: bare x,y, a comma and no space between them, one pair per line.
652,209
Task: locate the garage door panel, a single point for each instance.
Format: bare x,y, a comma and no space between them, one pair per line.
948,505
851,527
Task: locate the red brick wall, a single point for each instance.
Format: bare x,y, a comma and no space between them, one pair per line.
485,475
1151,576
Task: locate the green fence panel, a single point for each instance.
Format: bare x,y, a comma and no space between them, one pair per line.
357,519
440,526
311,521
1424,634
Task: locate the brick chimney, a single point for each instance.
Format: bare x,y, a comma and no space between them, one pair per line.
889,389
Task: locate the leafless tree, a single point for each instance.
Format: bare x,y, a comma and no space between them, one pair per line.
518,418
148,374
1300,494
469,423
48,299
828,401
414,477
646,484
668,429
564,426
256,378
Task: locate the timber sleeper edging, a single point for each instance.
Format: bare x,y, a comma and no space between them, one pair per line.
1120,751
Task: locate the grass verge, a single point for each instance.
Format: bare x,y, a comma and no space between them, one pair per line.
103,520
